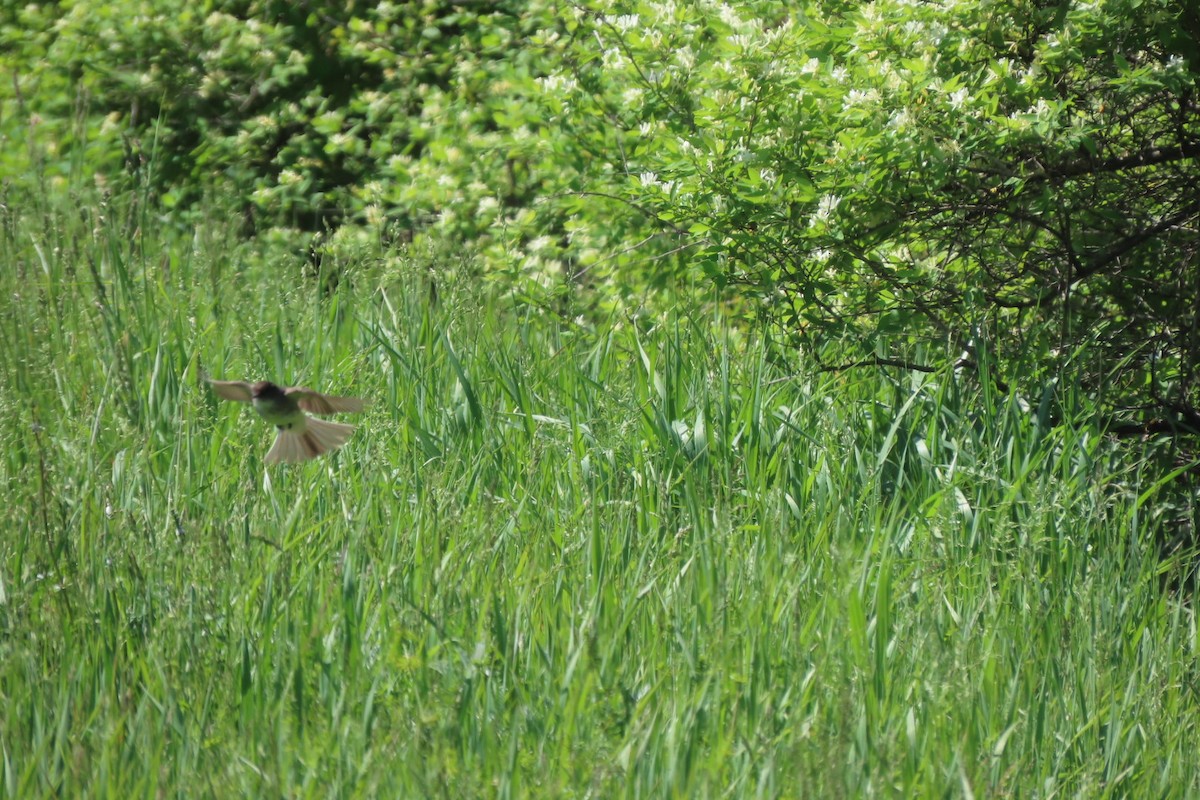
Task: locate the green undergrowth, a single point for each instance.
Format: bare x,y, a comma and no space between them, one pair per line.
559,558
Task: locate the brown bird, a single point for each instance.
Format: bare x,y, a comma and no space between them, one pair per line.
301,437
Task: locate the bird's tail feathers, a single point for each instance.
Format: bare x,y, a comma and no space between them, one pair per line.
314,437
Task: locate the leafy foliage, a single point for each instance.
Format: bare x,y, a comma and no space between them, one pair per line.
309,113
983,179
917,181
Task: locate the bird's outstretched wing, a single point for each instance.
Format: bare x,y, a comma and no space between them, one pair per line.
238,391
317,403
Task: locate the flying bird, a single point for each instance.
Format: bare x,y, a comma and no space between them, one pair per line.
301,437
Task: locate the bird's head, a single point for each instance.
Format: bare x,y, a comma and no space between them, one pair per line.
265,390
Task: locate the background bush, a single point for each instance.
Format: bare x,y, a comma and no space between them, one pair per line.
919,183
926,182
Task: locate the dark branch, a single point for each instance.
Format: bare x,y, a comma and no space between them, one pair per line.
1088,166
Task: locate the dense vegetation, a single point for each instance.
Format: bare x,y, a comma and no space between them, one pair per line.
919,181
624,518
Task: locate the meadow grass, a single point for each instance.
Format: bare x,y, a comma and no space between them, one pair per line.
637,557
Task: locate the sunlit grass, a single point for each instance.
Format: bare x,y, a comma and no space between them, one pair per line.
630,558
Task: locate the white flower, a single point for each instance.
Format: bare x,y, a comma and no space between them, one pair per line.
1042,110
825,207
899,119
613,59
625,22
859,96
729,16
558,83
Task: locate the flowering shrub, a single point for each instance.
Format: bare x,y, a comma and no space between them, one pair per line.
907,178
973,181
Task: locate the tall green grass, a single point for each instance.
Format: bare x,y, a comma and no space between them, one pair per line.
631,558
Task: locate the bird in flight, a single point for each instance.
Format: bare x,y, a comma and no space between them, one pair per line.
301,437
